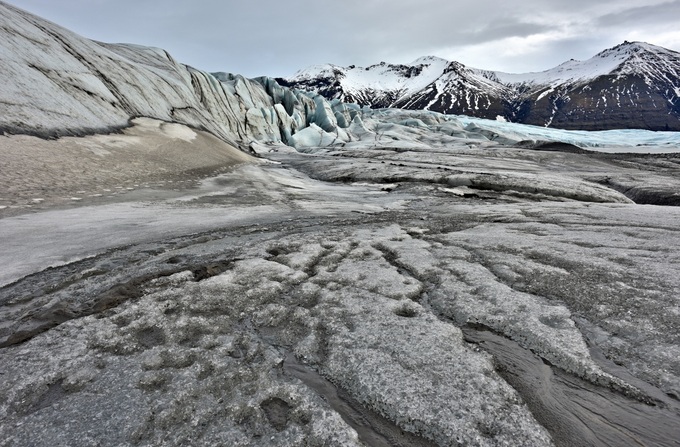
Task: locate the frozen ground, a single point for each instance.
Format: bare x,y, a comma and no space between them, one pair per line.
347,296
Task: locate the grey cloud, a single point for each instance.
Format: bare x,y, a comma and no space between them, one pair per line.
666,13
499,30
271,37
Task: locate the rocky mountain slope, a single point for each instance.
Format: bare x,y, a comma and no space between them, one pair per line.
633,85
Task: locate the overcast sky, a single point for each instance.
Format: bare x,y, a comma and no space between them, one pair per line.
278,37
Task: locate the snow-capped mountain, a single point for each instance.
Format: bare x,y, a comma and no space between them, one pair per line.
379,85
633,85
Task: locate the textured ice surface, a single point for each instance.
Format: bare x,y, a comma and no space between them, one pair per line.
201,358
176,329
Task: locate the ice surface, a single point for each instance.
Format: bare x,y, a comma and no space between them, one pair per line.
55,86
366,281
624,140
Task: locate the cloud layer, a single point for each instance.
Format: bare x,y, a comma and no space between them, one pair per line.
267,37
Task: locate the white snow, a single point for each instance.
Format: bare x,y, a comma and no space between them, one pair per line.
603,63
380,77
569,71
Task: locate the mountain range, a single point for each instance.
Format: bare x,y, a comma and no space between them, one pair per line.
632,85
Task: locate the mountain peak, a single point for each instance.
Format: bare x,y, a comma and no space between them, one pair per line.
426,60
637,45
627,48
643,59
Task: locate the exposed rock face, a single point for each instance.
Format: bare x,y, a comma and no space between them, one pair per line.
630,86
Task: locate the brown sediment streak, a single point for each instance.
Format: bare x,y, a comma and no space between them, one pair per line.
373,429
576,412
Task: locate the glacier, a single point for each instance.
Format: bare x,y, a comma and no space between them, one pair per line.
200,258
613,141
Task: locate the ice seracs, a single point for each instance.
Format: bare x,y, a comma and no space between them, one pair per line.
58,83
